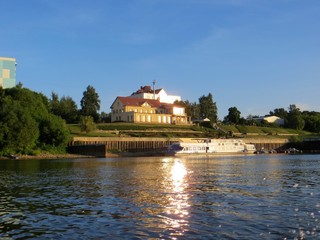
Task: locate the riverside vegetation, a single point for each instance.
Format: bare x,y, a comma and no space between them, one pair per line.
32,124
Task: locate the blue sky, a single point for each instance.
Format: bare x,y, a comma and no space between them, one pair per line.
256,55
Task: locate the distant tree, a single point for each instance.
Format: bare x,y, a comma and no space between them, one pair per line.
192,109
312,121
66,108
53,131
54,104
250,120
208,108
233,115
90,103
294,118
87,124
69,110
279,112
104,117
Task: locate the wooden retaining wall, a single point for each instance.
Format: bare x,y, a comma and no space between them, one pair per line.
115,144
267,144
96,150
98,146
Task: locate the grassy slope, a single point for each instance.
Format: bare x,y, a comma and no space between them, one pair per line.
149,130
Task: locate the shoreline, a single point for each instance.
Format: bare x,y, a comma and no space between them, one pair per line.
47,156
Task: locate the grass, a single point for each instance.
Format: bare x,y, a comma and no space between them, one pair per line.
170,131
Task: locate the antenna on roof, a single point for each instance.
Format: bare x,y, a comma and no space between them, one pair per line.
154,91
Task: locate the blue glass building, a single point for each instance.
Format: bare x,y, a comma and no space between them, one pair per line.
7,72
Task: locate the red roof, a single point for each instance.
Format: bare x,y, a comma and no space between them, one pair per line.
130,101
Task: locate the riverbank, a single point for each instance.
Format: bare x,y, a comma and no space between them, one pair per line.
45,156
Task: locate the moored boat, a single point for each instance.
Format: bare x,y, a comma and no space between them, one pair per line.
211,146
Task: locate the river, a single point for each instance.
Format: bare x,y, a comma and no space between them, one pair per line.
229,197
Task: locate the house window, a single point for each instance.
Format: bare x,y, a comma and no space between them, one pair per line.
164,119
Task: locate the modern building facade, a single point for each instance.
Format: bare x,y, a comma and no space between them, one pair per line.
7,72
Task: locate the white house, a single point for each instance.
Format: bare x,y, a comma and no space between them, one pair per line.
149,106
271,119
146,92
138,110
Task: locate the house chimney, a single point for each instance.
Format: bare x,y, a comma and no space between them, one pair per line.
154,91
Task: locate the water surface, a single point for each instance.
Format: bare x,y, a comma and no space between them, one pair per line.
239,197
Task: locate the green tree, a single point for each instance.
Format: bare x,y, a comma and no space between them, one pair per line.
54,104
65,107
208,108
279,112
53,131
233,116
105,117
24,121
294,118
19,131
191,109
87,124
312,121
90,103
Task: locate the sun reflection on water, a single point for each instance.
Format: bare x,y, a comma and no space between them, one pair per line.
177,209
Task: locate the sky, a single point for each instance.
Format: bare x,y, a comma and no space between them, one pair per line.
255,55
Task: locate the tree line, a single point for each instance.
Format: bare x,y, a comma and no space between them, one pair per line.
30,122
293,118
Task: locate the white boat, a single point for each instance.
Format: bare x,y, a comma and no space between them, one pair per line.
211,146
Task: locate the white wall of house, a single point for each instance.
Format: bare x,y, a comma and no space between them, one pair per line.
274,119
271,119
178,111
165,98
162,96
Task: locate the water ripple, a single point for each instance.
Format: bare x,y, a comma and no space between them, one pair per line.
257,197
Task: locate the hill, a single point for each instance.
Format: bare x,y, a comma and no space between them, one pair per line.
171,131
